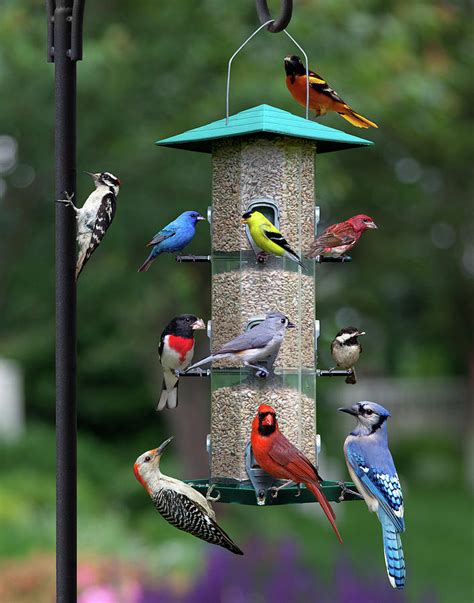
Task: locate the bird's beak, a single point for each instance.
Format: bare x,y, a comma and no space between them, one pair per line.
359,333
349,411
95,176
243,221
290,325
200,218
372,225
159,451
287,59
199,324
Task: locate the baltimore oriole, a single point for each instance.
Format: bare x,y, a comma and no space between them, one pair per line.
322,98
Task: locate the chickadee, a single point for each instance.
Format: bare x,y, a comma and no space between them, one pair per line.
345,350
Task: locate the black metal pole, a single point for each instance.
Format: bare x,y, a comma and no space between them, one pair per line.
64,49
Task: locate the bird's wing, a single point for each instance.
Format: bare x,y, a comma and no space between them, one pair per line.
166,233
319,84
273,235
257,337
381,480
105,215
285,454
188,515
336,235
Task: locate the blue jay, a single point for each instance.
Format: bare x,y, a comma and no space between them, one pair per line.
372,470
173,237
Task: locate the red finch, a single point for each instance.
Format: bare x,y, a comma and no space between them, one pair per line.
278,457
322,98
341,237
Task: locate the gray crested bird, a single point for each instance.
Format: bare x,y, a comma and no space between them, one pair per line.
176,352
181,505
346,349
256,345
95,216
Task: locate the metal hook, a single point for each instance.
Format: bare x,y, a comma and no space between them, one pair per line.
279,24
229,66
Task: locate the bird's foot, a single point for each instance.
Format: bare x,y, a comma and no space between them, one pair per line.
68,200
209,492
330,370
345,490
262,257
275,489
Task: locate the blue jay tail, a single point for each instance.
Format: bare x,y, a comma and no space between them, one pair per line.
393,551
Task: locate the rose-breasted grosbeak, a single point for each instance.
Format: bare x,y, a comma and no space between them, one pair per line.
346,349
176,352
341,237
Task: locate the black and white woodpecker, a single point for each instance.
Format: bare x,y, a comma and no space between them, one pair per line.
181,505
95,216
346,349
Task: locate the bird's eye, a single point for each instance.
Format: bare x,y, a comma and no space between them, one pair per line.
147,459
368,411
283,320
366,220
187,319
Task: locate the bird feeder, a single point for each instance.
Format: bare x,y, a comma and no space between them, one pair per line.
262,158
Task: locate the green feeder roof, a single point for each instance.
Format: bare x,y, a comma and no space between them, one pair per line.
264,118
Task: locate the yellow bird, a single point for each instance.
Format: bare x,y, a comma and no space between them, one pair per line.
267,236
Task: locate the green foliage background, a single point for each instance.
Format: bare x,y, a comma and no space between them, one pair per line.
153,69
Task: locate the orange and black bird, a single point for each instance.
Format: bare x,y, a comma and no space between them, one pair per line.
322,98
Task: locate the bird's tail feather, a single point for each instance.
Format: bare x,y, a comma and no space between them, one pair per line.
80,263
168,398
313,252
293,256
352,377
224,540
328,510
393,551
200,363
146,264
358,120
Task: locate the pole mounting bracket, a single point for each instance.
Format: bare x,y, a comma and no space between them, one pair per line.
74,12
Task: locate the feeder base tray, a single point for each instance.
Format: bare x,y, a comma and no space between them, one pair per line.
244,494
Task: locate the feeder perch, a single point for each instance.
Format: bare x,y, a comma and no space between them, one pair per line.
264,158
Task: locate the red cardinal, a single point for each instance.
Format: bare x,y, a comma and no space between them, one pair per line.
322,98
278,457
339,238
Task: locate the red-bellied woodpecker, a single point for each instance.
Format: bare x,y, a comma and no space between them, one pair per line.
181,505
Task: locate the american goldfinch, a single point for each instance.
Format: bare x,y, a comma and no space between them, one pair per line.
267,236
322,98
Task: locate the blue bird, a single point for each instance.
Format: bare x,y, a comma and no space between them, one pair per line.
372,470
173,237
